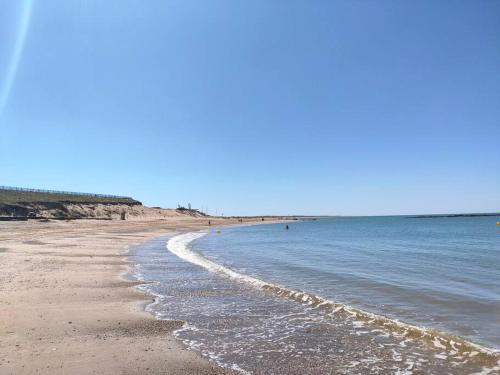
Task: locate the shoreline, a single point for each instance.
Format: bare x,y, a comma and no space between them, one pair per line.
66,306
129,275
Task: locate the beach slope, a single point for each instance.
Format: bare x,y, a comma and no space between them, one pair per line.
66,307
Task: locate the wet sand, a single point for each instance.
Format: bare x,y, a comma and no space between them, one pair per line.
66,307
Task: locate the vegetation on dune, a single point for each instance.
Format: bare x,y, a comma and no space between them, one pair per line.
17,196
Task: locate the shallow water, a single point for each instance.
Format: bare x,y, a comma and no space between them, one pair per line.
360,275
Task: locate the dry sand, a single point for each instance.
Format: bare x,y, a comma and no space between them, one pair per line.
65,307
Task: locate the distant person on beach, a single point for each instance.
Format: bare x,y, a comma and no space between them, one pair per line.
287,227
209,223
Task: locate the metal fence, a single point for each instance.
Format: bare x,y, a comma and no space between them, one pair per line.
62,192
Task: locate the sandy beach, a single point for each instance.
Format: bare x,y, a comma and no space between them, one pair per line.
67,308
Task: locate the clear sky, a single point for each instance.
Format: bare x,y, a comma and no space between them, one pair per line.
256,107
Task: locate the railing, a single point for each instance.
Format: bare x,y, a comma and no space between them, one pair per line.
62,192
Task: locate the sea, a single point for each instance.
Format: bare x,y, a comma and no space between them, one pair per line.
339,295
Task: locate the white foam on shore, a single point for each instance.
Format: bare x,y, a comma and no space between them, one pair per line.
179,245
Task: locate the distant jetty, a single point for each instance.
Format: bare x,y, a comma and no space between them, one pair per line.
452,215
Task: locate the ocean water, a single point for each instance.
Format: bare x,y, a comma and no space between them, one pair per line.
339,295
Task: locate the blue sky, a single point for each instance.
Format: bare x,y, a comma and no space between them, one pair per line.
256,107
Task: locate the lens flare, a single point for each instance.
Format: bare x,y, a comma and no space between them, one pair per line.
8,82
